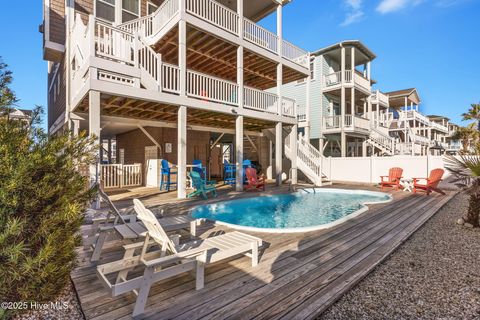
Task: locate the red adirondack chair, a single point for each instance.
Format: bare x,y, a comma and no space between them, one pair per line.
432,182
253,183
393,178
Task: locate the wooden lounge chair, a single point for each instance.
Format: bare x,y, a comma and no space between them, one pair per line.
253,183
171,260
393,178
201,188
431,182
126,227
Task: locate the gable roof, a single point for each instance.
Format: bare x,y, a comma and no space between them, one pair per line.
397,98
347,43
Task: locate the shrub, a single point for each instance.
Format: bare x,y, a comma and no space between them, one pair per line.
42,200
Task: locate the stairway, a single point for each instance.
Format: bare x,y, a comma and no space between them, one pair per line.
381,141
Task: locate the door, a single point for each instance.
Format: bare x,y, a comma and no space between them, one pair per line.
151,173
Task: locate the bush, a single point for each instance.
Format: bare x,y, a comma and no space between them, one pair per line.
42,200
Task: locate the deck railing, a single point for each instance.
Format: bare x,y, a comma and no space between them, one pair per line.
210,88
380,97
363,82
332,122
214,13
260,100
142,25
260,36
120,175
301,113
114,43
295,54
170,78
332,79
150,61
288,107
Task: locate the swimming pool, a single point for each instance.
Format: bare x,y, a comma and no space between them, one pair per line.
305,210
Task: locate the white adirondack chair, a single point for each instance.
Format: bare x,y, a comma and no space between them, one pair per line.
126,227
172,259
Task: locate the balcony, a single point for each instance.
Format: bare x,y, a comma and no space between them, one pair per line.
439,127
380,98
334,80
123,59
333,124
221,17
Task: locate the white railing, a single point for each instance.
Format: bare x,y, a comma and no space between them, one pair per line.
360,123
439,127
164,14
142,26
332,122
119,175
170,78
362,82
260,36
379,97
332,79
214,13
260,100
150,61
114,43
348,76
382,139
301,113
288,107
211,88
310,156
295,54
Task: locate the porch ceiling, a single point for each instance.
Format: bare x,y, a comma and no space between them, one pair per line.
211,55
145,110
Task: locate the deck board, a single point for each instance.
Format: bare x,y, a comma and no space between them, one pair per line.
299,275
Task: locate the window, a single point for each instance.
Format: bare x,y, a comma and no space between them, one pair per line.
151,8
105,9
130,10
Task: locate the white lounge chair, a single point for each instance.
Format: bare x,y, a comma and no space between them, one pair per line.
172,259
126,227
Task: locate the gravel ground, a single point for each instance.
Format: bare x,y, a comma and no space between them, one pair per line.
69,308
434,275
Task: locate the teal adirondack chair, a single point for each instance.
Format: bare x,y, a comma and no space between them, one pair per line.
201,188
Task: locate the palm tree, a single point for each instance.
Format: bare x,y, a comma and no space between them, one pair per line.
473,114
467,172
468,136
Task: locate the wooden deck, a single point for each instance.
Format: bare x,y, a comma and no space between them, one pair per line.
298,277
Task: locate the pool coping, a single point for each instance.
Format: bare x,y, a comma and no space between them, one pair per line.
329,225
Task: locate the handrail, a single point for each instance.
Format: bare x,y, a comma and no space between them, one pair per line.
210,88
214,13
260,100
142,25
332,79
170,78
295,54
260,36
114,43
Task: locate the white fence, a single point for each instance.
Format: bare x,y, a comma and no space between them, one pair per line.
121,175
369,169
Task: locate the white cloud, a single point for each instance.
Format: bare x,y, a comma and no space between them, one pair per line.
387,6
355,12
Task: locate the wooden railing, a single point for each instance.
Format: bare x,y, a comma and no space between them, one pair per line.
119,175
114,43
260,36
170,78
210,88
215,13
260,100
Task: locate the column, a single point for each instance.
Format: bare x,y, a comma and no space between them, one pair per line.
240,95
182,153
94,130
240,18
182,56
110,150
293,146
280,28
369,75
307,107
239,153
278,152
279,87
343,142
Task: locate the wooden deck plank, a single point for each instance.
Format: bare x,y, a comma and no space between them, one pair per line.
295,270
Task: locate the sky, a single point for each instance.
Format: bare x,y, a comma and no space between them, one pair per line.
432,45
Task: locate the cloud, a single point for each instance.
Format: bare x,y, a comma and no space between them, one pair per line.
388,6
355,12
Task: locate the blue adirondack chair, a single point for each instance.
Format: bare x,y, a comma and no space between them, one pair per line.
228,173
201,188
202,171
167,173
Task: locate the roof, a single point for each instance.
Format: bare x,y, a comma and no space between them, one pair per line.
401,92
347,43
397,98
17,113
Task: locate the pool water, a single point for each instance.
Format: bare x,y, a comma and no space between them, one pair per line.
309,209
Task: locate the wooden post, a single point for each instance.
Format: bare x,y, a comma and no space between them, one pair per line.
278,152
182,153
239,153
95,131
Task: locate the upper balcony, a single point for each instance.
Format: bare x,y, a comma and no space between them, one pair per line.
334,81
380,98
118,63
198,12
357,124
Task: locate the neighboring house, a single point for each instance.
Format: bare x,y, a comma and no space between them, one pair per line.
17,114
177,80
439,133
344,117
454,146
